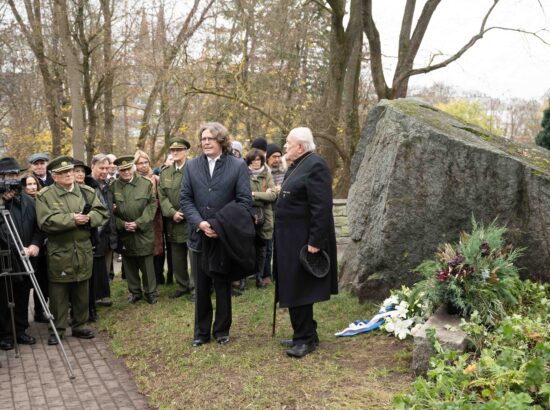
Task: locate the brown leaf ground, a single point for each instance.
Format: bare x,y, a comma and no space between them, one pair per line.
253,371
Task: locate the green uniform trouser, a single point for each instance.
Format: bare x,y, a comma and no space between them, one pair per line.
60,294
132,266
179,266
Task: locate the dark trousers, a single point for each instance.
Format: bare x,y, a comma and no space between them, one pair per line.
203,303
268,256
305,328
260,245
41,274
158,261
101,279
21,287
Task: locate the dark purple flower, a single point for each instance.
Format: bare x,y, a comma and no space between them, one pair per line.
442,275
485,249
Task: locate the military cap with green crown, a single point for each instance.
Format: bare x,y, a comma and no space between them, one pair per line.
62,163
179,142
124,162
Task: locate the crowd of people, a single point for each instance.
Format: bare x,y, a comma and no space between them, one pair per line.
232,214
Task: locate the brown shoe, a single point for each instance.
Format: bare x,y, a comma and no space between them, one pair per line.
267,281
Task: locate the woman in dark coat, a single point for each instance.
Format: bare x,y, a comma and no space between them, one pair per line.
303,216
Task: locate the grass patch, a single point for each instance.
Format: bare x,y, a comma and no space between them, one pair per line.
253,371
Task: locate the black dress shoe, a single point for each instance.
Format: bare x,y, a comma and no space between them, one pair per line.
6,344
178,293
134,298
25,339
288,343
235,292
52,340
151,298
301,350
199,342
222,340
83,333
260,284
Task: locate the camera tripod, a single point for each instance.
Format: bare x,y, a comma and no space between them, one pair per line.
6,272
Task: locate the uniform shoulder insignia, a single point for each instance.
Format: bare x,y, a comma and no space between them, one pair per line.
88,188
44,190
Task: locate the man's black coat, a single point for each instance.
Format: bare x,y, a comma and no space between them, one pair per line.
203,196
303,216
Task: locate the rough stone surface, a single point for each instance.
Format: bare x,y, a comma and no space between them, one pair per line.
339,211
447,332
418,176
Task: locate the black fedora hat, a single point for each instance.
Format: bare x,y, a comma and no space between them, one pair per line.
317,264
8,165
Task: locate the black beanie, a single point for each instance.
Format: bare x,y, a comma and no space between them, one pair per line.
272,149
259,143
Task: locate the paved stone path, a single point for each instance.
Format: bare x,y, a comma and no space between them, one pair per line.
39,380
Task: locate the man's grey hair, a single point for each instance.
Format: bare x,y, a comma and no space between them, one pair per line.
100,158
304,136
111,157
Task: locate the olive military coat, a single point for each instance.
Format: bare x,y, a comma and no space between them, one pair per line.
169,195
135,202
69,250
259,184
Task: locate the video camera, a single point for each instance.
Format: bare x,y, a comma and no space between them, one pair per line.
10,185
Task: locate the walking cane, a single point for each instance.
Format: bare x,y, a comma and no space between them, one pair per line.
274,310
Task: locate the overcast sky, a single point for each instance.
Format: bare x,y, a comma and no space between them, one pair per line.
503,64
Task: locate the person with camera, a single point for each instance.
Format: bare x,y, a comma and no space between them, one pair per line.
22,211
66,214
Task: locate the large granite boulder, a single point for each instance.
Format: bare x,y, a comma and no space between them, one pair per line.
419,175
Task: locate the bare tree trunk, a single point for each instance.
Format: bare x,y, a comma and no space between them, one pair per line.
343,79
73,75
52,84
108,81
187,30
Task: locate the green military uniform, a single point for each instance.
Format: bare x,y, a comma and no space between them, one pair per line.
176,232
135,202
69,252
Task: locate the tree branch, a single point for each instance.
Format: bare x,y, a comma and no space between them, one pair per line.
408,73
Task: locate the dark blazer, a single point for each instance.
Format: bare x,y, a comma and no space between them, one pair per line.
202,196
303,216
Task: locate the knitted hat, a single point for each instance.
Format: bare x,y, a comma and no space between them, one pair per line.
259,143
272,149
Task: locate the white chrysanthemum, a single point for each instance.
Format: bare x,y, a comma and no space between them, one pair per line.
392,300
399,327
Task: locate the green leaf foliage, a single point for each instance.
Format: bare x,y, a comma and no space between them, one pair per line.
543,137
509,370
476,274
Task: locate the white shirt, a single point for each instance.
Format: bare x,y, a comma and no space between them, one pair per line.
212,164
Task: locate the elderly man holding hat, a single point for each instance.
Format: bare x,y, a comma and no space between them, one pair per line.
135,208
66,213
39,163
175,222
